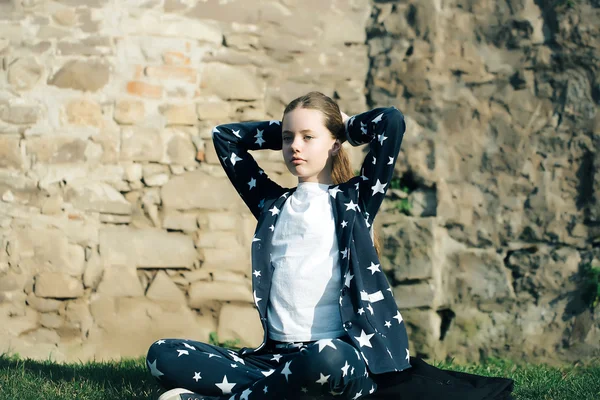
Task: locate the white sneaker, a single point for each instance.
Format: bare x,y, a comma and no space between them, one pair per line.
178,394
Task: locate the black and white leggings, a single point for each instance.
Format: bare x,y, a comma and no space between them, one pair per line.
328,368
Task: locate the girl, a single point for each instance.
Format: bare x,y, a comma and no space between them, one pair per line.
329,318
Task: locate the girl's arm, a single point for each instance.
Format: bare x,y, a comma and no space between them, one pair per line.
232,142
383,129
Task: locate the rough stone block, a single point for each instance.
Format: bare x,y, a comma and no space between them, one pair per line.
240,322
179,147
213,110
57,149
129,112
19,114
163,289
126,327
120,281
81,75
236,259
154,24
24,73
141,144
84,112
202,292
97,196
166,72
143,89
198,190
11,153
184,114
476,275
231,82
415,295
176,221
57,285
151,248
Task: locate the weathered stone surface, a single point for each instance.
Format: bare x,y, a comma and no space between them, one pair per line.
141,144
179,147
129,111
45,249
65,17
179,114
198,190
93,271
57,150
24,73
169,25
150,248
97,196
415,295
411,248
11,152
477,275
164,289
241,323
126,327
231,83
81,75
120,281
84,112
213,110
180,222
57,286
44,305
21,114
203,292
155,174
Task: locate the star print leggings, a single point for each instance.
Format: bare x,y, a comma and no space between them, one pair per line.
321,369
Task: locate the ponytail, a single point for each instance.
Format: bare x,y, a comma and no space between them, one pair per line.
342,172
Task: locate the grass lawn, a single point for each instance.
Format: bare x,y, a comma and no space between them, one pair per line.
26,379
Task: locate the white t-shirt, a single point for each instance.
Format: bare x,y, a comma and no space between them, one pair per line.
304,297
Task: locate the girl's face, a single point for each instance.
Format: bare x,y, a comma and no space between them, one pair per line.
308,146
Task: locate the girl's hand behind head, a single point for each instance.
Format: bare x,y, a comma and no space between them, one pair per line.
345,117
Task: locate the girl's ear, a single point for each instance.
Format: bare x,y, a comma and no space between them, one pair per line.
337,145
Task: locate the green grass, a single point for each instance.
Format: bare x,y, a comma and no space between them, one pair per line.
27,379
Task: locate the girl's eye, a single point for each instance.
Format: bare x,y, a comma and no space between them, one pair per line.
308,137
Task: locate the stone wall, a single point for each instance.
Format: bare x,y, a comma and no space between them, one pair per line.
502,165
118,225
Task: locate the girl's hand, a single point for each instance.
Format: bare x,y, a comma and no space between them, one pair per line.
345,117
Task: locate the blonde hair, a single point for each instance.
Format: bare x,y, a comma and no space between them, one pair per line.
341,168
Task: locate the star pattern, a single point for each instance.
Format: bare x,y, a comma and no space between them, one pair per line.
324,343
374,268
252,184
197,376
234,158
286,371
378,187
323,379
153,369
364,339
398,316
351,206
225,386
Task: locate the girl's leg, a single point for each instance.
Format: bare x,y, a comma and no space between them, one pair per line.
323,369
330,368
201,368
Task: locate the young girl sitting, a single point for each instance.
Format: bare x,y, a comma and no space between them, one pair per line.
329,317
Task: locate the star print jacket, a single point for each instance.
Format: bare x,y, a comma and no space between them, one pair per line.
367,307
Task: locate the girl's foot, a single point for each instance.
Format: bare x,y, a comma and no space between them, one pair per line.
180,394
